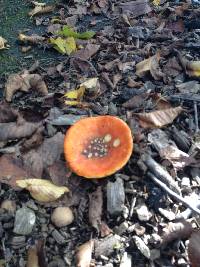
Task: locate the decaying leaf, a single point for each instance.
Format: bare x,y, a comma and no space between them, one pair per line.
34,38
64,46
40,8
38,159
15,130
150,65
36,255
7,113
87,52
105,230
136,8
11,170
3,43
24,82
69,32
194,249
95,208
176,230
142,246
84,254
42,190
158,118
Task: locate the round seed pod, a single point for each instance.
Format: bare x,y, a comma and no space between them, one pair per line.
62,216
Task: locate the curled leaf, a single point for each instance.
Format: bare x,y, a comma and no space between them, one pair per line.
40,8
95,208
34,39
158,118
177,230
84,254
24,82
64,46
42,190
69,32
149,65
3,43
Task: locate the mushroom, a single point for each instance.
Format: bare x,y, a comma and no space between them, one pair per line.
98,146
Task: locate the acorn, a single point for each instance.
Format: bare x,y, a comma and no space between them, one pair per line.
62,216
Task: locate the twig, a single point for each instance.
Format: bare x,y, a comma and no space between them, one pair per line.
172,193
196,117
160,172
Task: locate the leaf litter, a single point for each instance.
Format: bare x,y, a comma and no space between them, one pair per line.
137,60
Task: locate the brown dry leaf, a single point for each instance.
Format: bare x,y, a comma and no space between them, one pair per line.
172,68
150,65
49,152
36,255
87,52
84,254
34,38
158,118
95,208
176,230
11,170
136,101
15,130
40,8
32,260
136,8
7,113
24,82
105,229
194,249
42,190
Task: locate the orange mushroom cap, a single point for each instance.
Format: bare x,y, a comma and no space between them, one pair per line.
98,146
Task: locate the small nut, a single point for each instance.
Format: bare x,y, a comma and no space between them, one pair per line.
8,205
62,216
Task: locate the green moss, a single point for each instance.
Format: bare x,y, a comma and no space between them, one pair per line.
14,19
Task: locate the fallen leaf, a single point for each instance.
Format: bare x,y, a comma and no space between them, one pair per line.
64,46
136,8
11,170
7,113
156,2
149,65
189,87
194,249
69,32
192,68
36,255
15,130
40,8
24,82
172,68
75,97
105,230
158,118
3,43
34,38
95,208
176,230
37,160
84,254
87,52
42,190
58,173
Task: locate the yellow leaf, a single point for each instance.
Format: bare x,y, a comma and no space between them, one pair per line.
64,46
3,43
156,2
193,68
72,103
84,254
42,190
76,94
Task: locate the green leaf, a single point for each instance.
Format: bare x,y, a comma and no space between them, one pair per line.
64,46
69,32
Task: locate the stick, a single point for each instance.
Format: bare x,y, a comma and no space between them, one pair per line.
172,193
161,173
